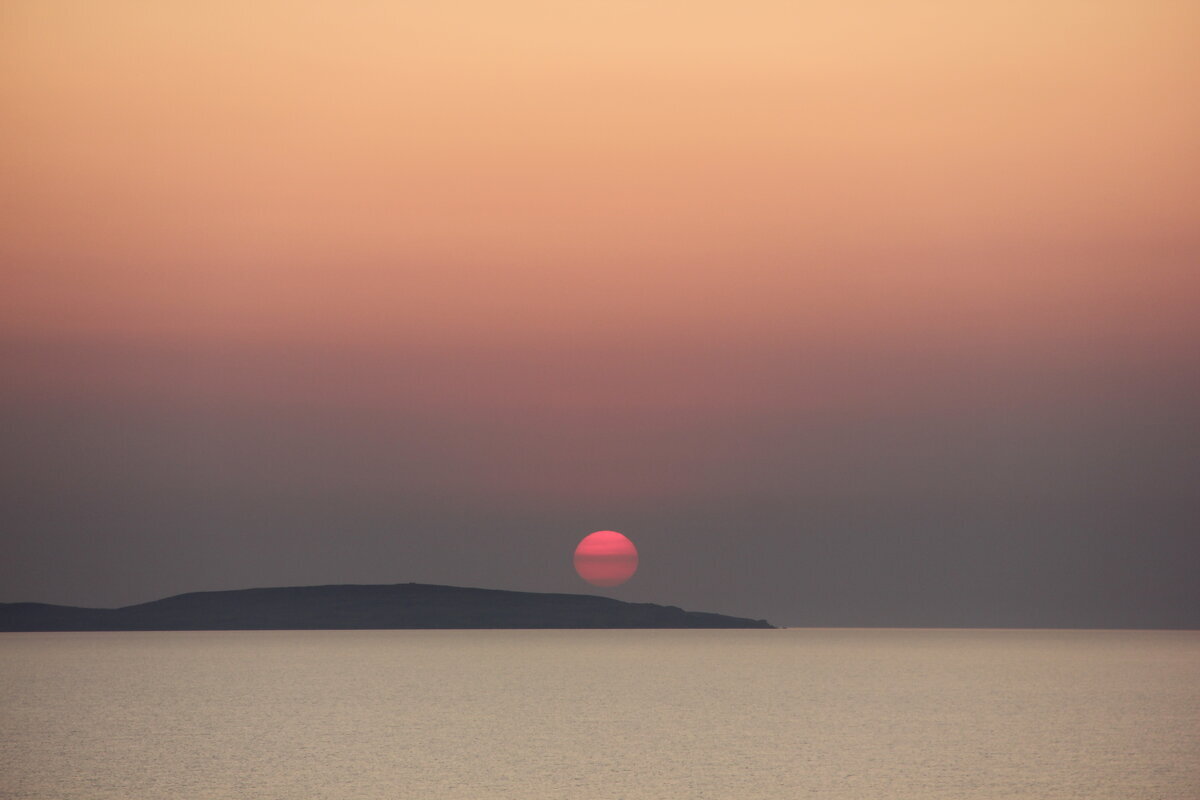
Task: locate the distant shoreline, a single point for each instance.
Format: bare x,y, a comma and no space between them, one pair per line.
401,606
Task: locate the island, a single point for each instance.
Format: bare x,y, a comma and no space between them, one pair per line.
370,607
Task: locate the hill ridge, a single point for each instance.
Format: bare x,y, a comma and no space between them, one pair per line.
364,607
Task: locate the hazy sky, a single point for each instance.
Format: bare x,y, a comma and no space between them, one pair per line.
845,312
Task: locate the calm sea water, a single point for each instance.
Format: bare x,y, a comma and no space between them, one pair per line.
601,714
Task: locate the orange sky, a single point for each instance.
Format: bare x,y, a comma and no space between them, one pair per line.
595,232
793,292
529,172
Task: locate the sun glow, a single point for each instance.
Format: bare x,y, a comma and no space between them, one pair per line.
606,558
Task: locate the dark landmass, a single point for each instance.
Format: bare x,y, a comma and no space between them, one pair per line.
402,605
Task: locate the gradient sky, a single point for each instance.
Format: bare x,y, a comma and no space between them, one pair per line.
846,313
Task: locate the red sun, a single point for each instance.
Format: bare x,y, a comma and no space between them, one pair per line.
606,558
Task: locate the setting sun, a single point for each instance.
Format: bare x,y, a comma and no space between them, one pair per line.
606,558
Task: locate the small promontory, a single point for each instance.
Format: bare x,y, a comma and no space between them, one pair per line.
351,607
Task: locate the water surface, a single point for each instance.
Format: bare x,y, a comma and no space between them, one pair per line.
601,714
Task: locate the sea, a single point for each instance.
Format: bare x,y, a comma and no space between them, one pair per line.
737,714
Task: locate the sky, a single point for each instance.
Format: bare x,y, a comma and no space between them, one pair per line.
846,313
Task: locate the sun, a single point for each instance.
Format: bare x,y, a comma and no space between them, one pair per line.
606,558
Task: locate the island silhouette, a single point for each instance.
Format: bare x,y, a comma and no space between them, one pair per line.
363,607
